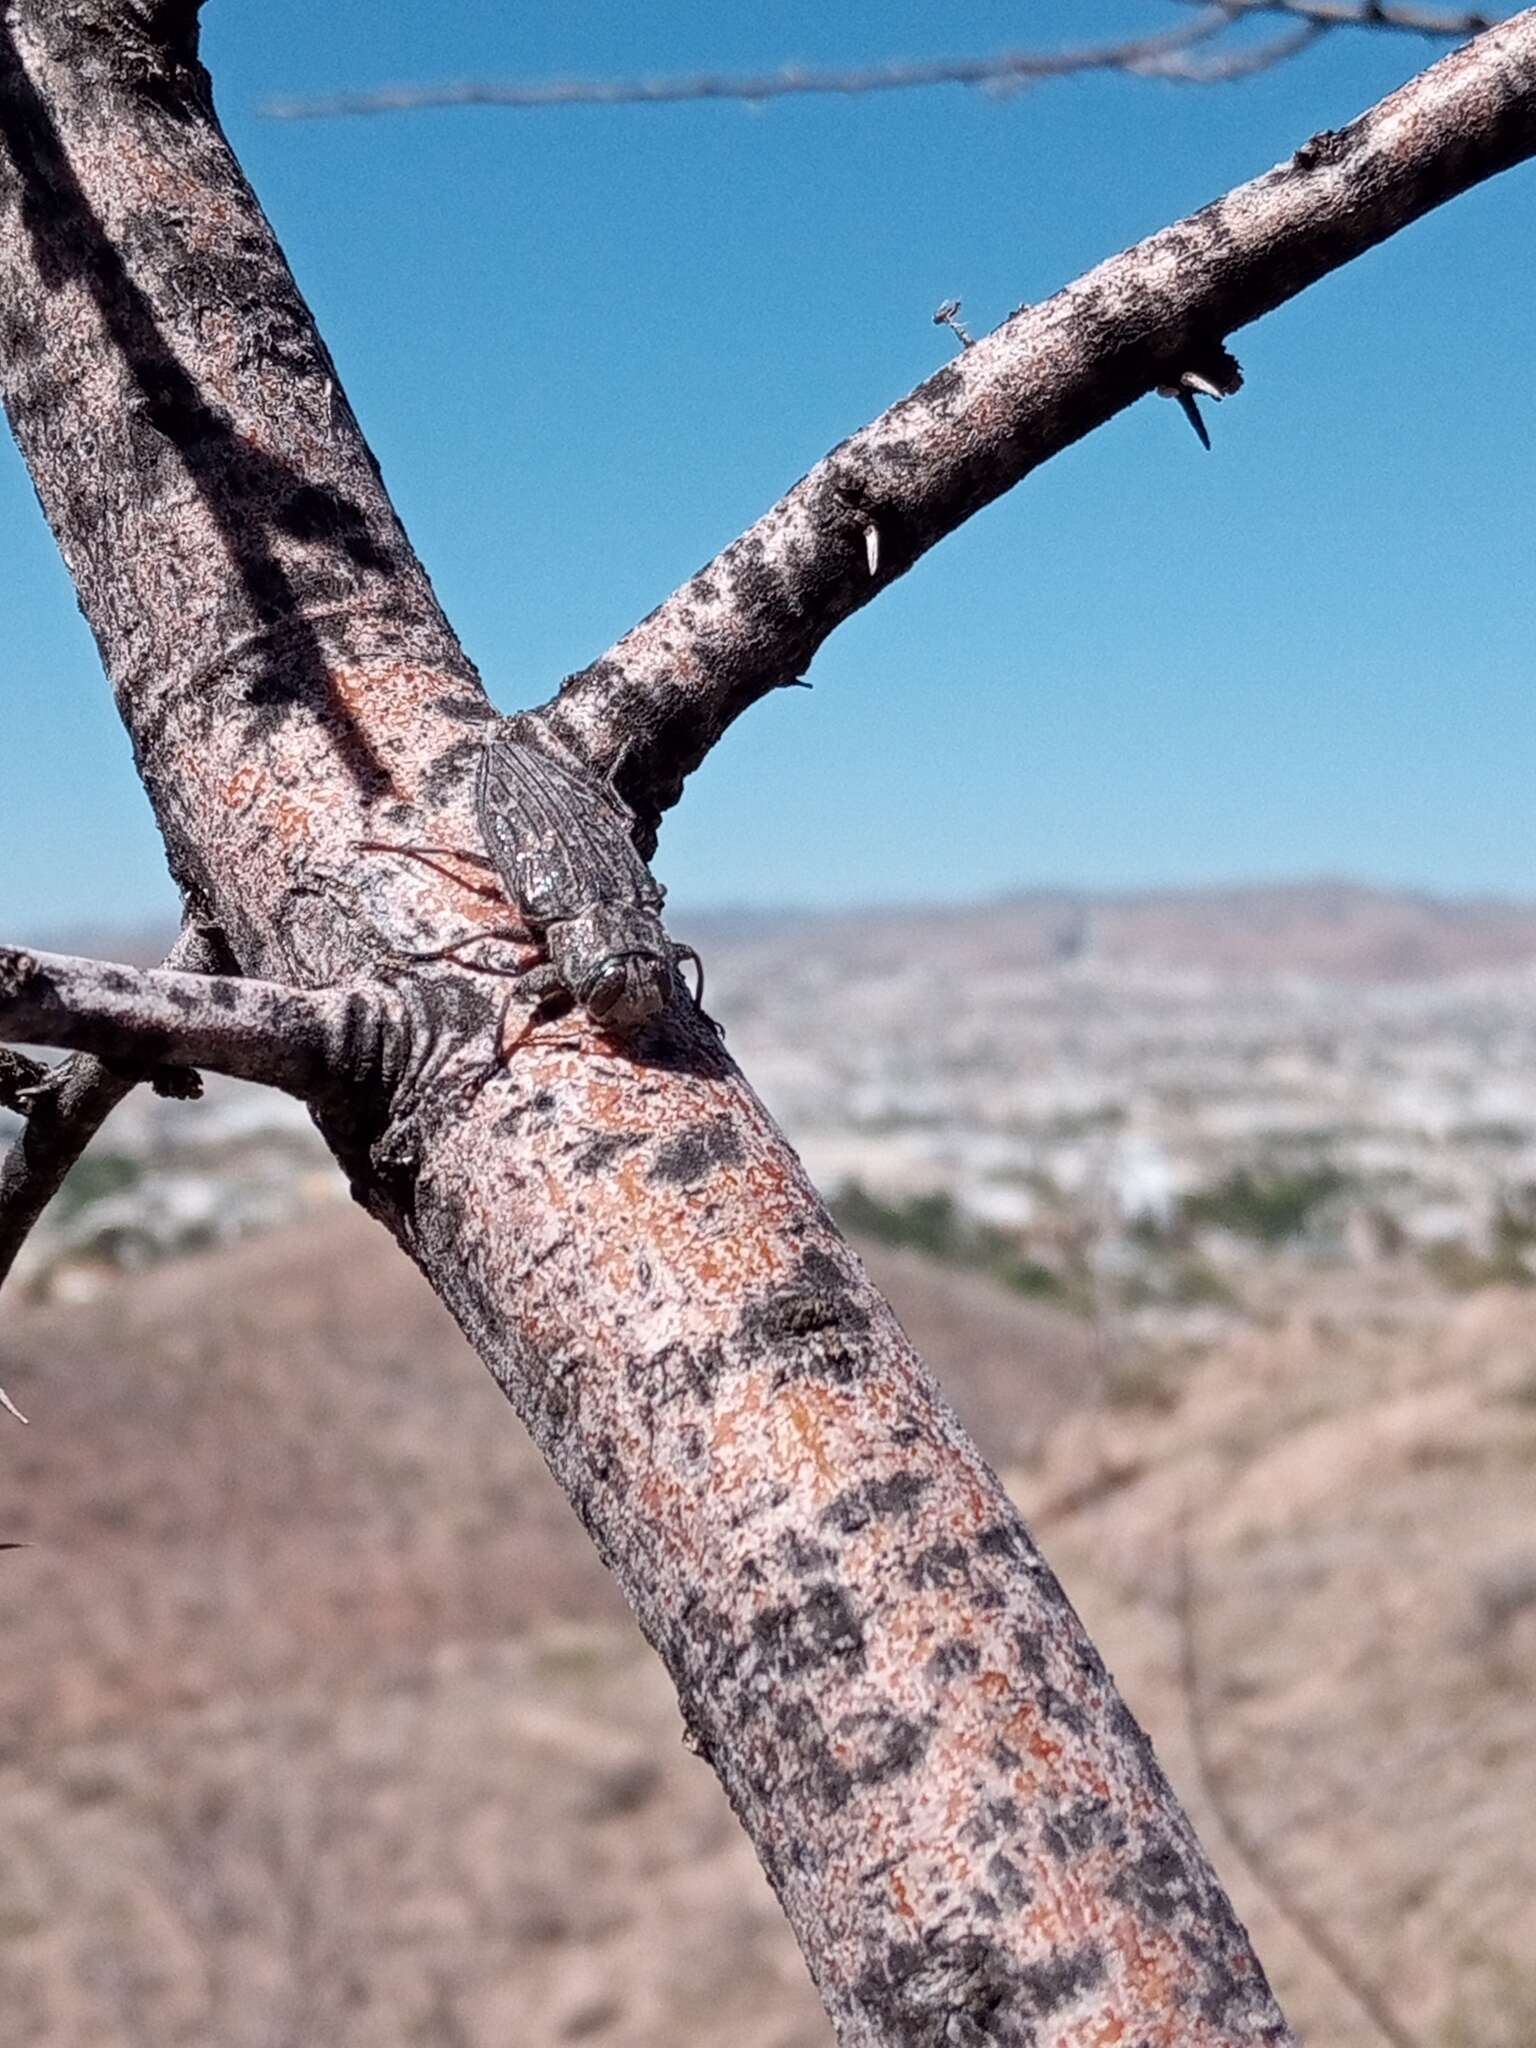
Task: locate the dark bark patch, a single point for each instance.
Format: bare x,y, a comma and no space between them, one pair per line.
1007,1539
809,1327
449,770
804,1557
1029,1651
994,1820
934,1993
1008,1881
877,1500
599,1153
1063,1980
463,709
1056,1706
823,1630
314,513
799,1764
953,1660
885,1744
1084,1825
695,1153
677,1372
941,1564
1157,1884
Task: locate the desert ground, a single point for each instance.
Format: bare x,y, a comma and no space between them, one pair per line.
321,1727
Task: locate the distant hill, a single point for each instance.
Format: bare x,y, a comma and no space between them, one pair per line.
1332,929
1337,930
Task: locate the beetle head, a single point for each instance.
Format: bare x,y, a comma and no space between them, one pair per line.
617,963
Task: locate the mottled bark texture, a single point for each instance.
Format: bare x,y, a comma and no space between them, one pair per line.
69,1103
753,618
965,1826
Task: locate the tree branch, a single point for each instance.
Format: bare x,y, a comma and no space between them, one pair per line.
310,1043
1326,14
66,1106
1146,56
1157,56
754,617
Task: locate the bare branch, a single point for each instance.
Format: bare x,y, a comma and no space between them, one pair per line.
1423,21
310,1043
1143,55
753,618
1225,67
1261,1867
67,1105
1157,56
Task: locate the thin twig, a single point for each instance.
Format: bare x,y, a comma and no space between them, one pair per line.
1143,55
1255,1856
1157,56
1423,21
1228,66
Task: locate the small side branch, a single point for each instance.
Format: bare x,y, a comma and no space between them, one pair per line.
308,1042
65,1106
1049,375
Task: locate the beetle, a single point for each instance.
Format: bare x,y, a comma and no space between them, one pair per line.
561,845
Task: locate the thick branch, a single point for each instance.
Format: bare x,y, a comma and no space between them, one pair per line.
754,617
68,1105
314,1044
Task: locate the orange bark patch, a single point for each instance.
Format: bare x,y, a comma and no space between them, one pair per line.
243,787
292,822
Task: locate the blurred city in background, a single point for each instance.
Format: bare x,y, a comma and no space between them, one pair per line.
1216,1214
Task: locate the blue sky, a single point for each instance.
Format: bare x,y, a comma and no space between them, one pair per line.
590,346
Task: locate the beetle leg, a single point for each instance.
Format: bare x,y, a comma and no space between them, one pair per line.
433,857
542,992
451,951
688,953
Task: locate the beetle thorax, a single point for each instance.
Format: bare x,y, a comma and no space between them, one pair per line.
616,961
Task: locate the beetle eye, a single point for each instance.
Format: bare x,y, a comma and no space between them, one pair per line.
605,988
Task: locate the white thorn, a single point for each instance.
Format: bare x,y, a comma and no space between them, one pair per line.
872,548
10,1406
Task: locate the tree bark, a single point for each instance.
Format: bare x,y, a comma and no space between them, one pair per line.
965,1826
70,1103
